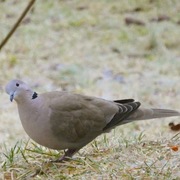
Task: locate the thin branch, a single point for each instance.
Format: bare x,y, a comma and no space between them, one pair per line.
17,24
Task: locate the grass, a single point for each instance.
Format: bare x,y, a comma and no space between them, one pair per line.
86,47
149,159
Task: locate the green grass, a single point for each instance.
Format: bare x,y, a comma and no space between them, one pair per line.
86,47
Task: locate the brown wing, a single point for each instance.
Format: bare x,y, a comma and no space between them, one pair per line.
77,118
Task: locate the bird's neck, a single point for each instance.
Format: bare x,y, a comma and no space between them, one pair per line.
30,105
27,98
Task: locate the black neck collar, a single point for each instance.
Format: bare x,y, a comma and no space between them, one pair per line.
35,95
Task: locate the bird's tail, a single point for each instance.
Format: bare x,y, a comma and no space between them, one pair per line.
144,114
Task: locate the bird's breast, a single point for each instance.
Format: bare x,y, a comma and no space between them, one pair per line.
36,124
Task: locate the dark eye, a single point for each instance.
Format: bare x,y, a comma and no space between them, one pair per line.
17,84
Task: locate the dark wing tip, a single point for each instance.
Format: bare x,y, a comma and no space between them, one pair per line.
125,110
124,101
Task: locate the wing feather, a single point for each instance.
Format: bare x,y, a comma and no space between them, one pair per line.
125,110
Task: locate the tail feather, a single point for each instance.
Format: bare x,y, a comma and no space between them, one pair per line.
144,114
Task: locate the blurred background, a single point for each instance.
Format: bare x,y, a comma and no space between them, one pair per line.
110,49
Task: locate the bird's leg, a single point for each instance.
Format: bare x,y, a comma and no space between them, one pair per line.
67,155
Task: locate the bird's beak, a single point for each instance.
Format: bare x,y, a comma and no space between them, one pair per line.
11,97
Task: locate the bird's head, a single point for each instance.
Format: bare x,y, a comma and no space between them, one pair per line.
18,90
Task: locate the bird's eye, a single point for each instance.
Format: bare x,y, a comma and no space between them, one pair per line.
17,84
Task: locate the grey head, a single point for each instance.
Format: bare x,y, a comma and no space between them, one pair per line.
18,90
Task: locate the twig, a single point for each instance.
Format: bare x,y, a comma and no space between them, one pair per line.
17,24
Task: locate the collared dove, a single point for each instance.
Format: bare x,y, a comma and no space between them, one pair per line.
66,121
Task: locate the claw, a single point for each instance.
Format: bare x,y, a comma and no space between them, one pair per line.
66,157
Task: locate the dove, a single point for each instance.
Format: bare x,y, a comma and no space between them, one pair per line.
62,120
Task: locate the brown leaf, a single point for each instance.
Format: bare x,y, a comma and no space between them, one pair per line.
174,148
130,20
161,18
174,127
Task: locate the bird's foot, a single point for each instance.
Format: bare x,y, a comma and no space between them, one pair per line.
61,159
66,157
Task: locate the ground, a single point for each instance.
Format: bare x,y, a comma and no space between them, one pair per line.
109,49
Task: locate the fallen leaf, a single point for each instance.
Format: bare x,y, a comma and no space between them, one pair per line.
161,18
174,148
130,20
174,127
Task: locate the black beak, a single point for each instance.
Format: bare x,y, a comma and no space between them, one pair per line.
11,97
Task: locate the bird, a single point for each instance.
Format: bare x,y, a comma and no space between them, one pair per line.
67,121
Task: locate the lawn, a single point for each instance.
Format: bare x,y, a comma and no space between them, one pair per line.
109,49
